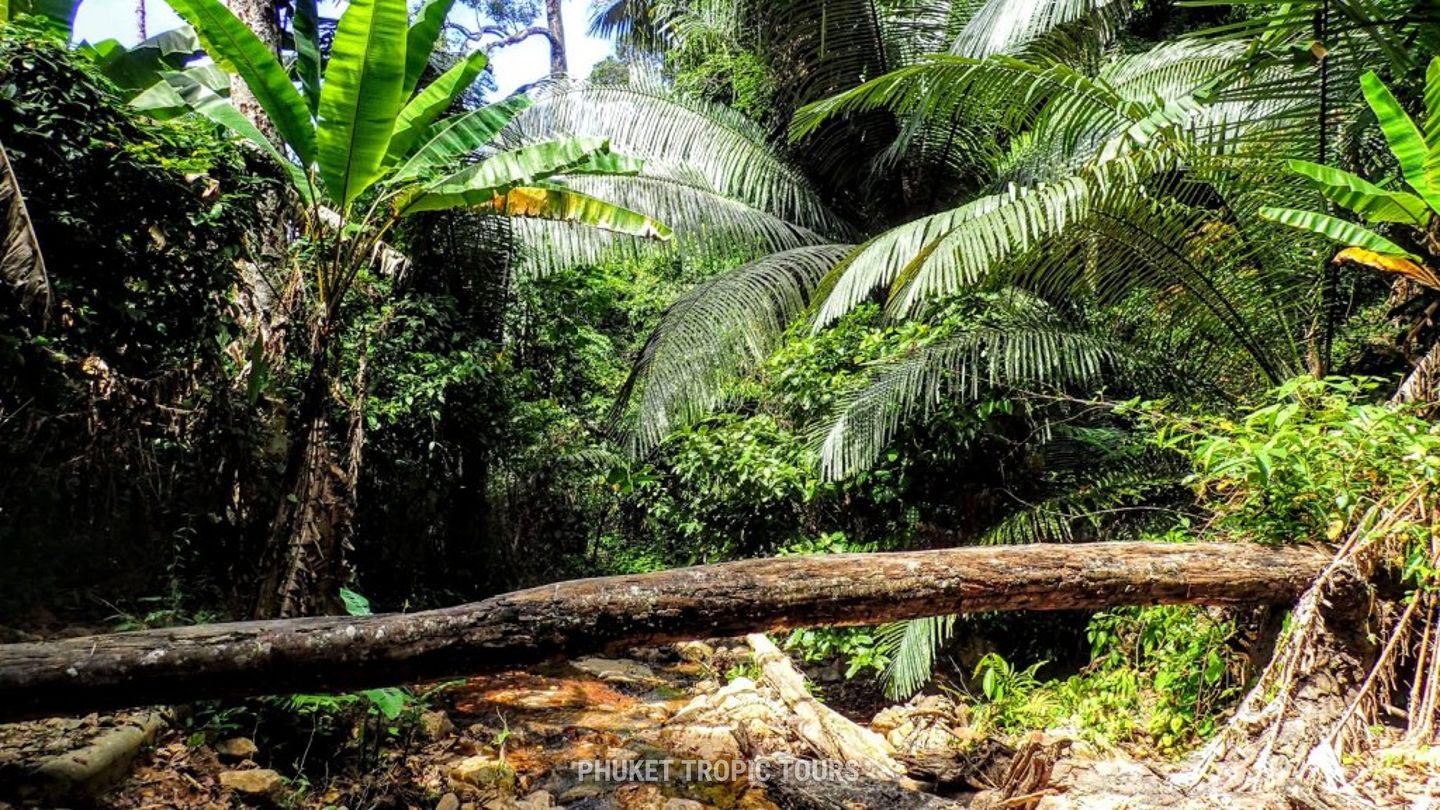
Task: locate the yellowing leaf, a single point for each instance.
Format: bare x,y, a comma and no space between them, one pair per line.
1390,264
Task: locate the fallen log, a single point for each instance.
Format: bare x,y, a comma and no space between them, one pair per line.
573,618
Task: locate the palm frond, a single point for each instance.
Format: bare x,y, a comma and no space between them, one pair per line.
1023,344
945,252
1005,26
912,647
712,334
650,123
699,216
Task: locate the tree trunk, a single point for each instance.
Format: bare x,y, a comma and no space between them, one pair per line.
558,63
262,17
303,565
591,615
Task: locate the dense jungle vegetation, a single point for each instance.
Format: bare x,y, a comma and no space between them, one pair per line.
300,317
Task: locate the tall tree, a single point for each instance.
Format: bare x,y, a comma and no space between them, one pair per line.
559,66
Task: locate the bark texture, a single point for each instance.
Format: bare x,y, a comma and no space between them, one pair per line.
559,64
590,615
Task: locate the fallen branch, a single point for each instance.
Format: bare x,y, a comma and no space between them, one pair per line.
831,735
574,618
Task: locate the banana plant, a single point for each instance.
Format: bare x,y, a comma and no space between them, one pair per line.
363,139
364,145
1417,150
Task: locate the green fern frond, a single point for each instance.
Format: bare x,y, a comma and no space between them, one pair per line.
912,647
1024,344
1005,26
710,336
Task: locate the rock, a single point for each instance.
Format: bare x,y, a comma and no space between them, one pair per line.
539,800
260,783
482,770
639,797
694,651
584,790
236,749
755,799
436,726
711,743
448,802
618,671
614,754
683,804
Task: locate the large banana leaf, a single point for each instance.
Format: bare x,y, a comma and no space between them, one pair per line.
236,47
1363,197
1346,233
437,97
609,164
452,138
1432,122
543,201
21,264
420,40
553,202
161,101
1398,265
361,96
205,101
495,175
1404,137
307,51
138,68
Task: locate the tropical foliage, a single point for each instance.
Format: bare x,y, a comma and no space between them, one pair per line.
805,276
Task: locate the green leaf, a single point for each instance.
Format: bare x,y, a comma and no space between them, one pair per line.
389,701
208,103
452,138
355,604
139,68
420,40
437,97
58,15
1403,136
564,205
1432,122
1335,229
1361,196
497,174
307,51
231,43
361,96
161,101
608,163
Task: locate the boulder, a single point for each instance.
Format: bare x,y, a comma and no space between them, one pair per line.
482,770
436,726
259,783
236,749
694,651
